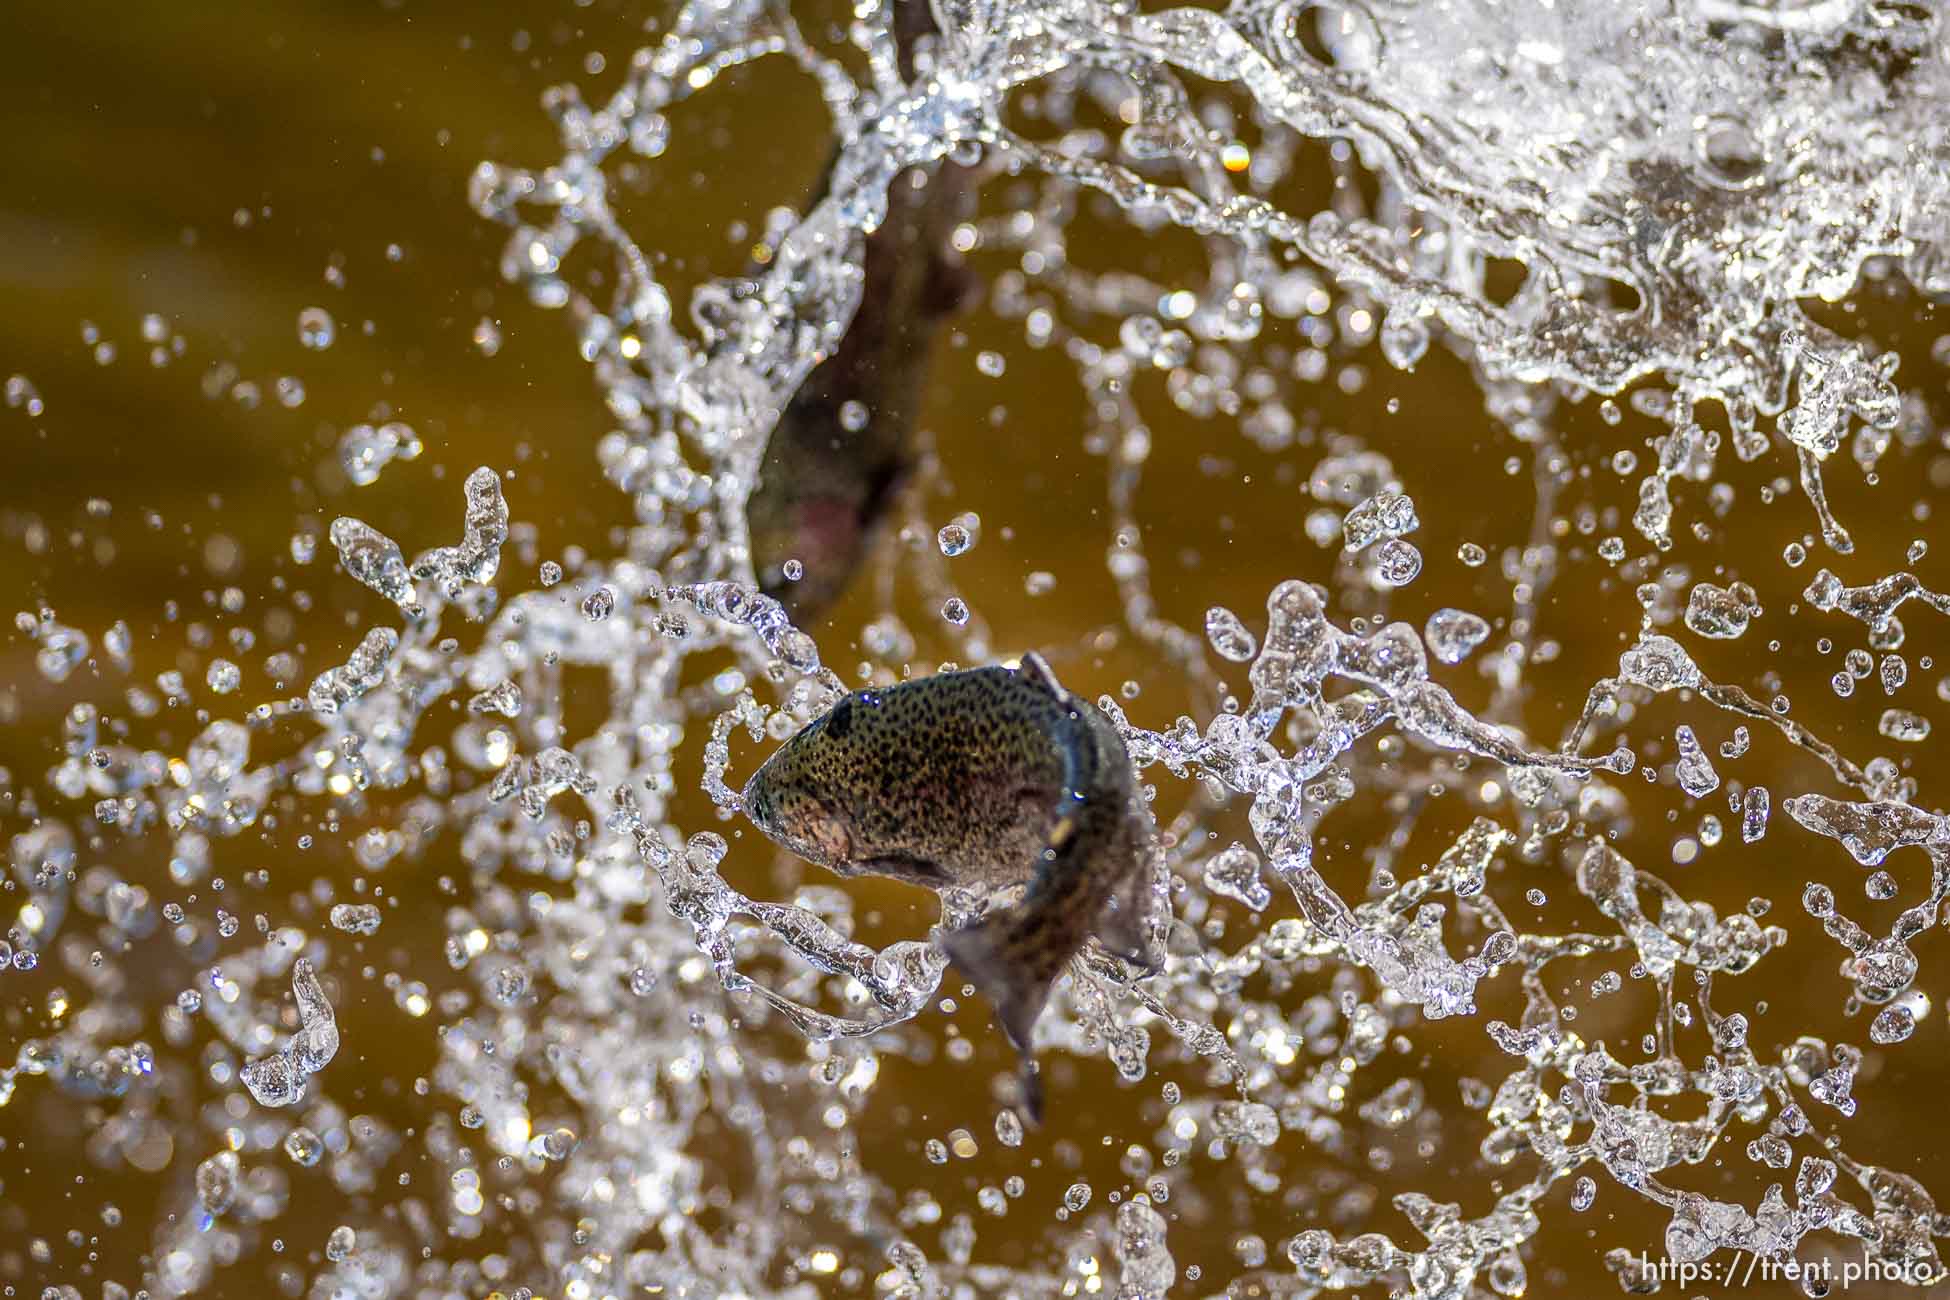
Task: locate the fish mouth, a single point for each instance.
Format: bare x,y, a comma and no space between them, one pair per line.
757,808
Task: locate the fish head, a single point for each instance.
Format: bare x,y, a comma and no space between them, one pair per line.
799,797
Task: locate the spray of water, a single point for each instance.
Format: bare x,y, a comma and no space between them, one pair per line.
644,1077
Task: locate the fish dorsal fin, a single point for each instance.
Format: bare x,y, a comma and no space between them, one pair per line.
1036,669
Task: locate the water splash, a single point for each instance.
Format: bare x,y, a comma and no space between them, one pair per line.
1571,200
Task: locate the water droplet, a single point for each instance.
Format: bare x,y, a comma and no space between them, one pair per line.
223,676
1397,563
1453,634
316,329
487,336
356,918
216,1182
1234,873
1230,637
304,1147
1902,725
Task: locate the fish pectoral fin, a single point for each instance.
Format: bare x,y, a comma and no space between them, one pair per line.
1030,1089
900,866
1013,976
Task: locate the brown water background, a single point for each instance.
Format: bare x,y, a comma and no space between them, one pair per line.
211,162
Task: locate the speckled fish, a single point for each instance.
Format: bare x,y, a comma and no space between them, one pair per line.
990,777
847,442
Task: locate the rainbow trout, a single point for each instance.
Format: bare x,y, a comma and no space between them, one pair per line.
990,777
845,444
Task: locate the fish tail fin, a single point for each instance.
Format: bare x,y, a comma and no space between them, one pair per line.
1012,964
